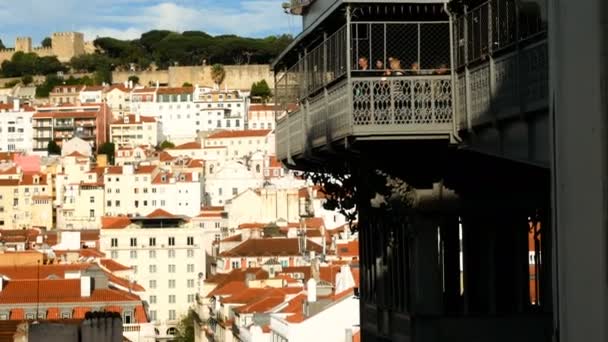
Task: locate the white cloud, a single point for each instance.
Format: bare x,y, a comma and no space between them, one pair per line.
90,33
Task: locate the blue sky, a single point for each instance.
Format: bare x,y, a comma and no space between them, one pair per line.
127,19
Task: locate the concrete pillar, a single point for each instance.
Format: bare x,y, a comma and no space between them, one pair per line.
426,288
451,264
579,113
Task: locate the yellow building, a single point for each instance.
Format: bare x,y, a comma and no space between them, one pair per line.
26,201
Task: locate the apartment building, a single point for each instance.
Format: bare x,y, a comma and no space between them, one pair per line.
89,122
118,97
80,193
139,190
186,111
133,130
91,94
166,254
25,200
65,94
16,127
240,144
230,180
261,116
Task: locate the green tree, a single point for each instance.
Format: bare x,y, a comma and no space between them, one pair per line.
185,328
52,148
187,84
261,90
108,149
45,88
166,144
91,62
218,73
103,75
2,45
27,79
11,84
47,42
134,79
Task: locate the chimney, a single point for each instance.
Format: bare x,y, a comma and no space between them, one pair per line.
1,283
157,84
137,117
126,84
311,289
349,335
130,85
16,105
85,286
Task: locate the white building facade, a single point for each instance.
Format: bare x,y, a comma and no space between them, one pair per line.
135,130
168,262
16,132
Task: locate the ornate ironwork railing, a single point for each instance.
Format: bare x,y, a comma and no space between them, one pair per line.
369,106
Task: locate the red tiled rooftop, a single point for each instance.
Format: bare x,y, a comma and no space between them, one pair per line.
176,90
159,213
240,134
188,146
349,249
270,247
9,107
74,114
114,222
145,90
132,120
113,266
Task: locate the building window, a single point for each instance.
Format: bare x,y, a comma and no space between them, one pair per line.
153,315
236,264
133,242
172,312
190,268
145,203
114,242
190,253
171,268
171,241
235,191
134,267
117,203
190,240
133,254
217,237
114,254
152,268
128,317
152,254
171,301
171,283
152,284
190,283
191,298
109,203
65,315
171,253
152,299
91,199
152,242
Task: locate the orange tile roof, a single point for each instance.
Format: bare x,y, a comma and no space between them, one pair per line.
17,314
159,213
120,87
143,169
114,170
228,289
80,311
52,313
76,154
57,291
9,107
114,222
213,208
140,314
233,238
196,163
349,249
113,266
125,283
93,88
133,121
87,114
188,146
275,163
175,90
270,247
240,134
113,308
212,214
28,178
145,90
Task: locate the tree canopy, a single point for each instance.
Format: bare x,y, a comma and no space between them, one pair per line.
108,149
2,45
47,42
53,148
166,144
218,73
185,328
22,64
261,90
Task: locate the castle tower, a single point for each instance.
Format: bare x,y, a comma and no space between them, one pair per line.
67,45
23,44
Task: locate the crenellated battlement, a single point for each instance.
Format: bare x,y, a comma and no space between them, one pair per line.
64,45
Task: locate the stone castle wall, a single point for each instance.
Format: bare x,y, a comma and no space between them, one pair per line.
65,45
237,76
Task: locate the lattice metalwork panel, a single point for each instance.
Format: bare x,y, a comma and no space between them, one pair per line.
282,136
338,111
402,101
480,91
505,78
534,74
296,132
461,98
317,113
503,23
400,48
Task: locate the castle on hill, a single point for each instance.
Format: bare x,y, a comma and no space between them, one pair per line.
64,46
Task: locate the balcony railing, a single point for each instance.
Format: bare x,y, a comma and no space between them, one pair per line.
404,106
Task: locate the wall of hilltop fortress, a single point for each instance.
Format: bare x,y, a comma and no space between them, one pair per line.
237,76
64,45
